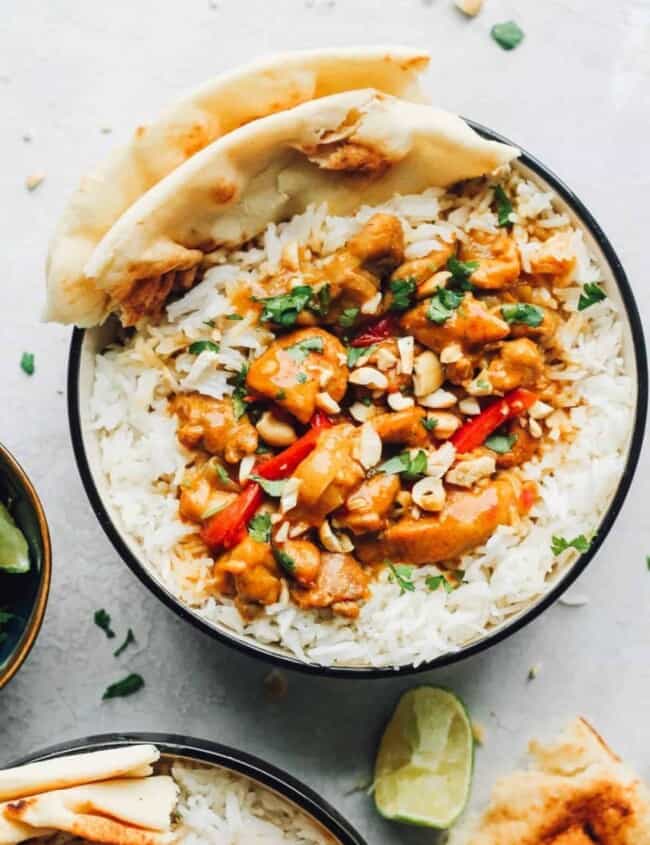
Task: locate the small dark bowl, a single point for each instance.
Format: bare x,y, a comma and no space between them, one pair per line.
23,595
174,746
85,344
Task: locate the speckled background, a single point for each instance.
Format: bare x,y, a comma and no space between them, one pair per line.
576,93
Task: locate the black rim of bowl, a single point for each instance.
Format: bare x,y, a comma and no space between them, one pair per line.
500,633
214,753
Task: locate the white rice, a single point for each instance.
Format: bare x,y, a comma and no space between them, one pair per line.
138,444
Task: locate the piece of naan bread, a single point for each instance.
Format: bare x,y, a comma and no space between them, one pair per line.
577,793
345,150
119,812
211,111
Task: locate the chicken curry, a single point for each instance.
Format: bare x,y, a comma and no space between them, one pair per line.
386,422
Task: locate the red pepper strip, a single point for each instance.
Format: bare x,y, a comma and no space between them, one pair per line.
386,327
226,528
473,433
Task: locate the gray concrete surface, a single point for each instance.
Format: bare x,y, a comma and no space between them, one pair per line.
576,93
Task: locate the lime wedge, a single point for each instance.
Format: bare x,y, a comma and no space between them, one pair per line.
14,552
423,770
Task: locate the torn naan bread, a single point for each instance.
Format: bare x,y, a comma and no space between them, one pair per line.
211,111
119,812
578,793
347,150
74,769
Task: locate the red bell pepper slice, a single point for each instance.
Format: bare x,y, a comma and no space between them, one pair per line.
226,528
376,332
474,433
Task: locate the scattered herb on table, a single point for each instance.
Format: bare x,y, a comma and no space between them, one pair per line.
647,562
402,290
260,527
348,317
127,686
284,309
27,363
103,621
560,544
401,575
522,312
442,305
461,271
299,351
504,206
200,346
591,294
130,638
284,560
501,443
507,35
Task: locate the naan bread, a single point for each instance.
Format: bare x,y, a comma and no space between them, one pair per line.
74,769
119,812
577,793
345,150
216,108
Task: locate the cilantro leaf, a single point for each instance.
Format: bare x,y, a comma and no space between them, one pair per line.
429,423
239,404
284,309
302,378
320,301
284,560
130,638
210,323
461,271
271,488
260,527
560,544
501,443
435,581
27,363
348,317
203,346
591,294
356,353
507,35
522,312
103,621
409,467
127,686
504,206
299,351
442,305
402,290
401,574
234,316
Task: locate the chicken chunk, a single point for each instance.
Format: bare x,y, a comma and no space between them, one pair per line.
497,256
297,367
367,507
379,245
470,325
203,492
421,270
255,572
210,424
305,560
520,363
403,427
341,584
328,475
555,257
467,520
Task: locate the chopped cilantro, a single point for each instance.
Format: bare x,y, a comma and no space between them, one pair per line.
284,560
366,400
234,316
103,621
271,488
579,543
281,394
403,464
320,301
130,638
501,443
209,323
302,378
435,581
461,271
260,527
221,472
208,512
127,686
504,206
356,353
203,346
402,290
299,351
401,574
348,317
522,312
442,305
284,309
507,35
239,404
591,294
429,423
263,449
27,363
647,562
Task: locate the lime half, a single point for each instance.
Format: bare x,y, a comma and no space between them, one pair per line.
424,765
